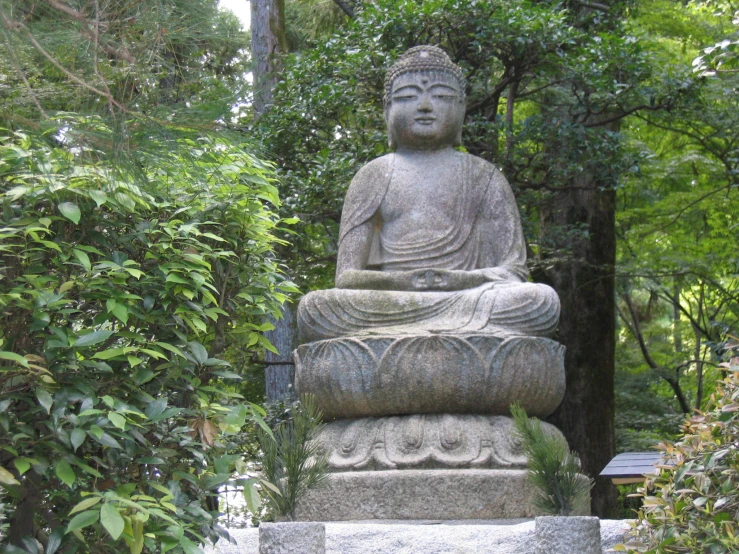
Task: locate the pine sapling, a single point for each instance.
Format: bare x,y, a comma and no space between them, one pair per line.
291,461
554,469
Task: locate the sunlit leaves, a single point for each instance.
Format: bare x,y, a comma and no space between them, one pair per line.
71,211
690,506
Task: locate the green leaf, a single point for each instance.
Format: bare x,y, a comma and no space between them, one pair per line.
168,543
98,196
6,478
83,258
85,519
170,347
199,352
251,495
77,437
65,472
106,440
111,520
12,356
70,211
22,465
118,420
55,541
121,312
190,547
155,408
113,353
85,504
90,339
45,399
260,421
174,278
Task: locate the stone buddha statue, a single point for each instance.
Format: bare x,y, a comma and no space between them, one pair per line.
430,238
432,330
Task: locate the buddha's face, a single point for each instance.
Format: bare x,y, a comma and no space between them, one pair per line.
425,111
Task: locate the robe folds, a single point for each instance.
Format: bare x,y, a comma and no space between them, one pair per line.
483,230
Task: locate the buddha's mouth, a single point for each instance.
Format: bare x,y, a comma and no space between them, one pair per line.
425,120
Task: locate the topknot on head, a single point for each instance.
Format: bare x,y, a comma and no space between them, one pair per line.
423,58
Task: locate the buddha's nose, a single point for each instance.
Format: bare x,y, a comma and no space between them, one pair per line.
424,104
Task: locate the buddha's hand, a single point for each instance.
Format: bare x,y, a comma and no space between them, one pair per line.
446,279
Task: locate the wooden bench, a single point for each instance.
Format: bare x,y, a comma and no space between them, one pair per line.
631,467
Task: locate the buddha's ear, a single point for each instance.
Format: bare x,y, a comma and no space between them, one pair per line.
458,138
390,137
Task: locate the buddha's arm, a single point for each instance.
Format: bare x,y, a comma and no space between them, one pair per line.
351,272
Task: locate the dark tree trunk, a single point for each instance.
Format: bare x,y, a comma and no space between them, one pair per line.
280,377
585,284
268,44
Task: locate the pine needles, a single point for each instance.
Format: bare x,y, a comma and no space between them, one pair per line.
292,462
554,469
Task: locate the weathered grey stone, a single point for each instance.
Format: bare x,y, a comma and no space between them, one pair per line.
420,494
565,535
613,532
430,239
424,442
427,537
432,314
475,373
292,538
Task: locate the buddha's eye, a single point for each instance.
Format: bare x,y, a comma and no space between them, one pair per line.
445,96
405,97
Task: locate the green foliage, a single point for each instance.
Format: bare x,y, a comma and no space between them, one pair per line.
677,226
292,462
696,500
553,469
169,59
121,285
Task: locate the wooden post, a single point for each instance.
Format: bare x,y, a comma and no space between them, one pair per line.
280,377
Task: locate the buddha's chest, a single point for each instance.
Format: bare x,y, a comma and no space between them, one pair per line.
424,197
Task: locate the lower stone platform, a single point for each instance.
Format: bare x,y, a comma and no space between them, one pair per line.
426,441
420,494
425,537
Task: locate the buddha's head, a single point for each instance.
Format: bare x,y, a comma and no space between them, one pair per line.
424,100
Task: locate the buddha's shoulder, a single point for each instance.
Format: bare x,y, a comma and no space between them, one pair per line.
477,164
375,169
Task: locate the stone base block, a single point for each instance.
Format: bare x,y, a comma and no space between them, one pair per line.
565,535
439,494
292,538
433,373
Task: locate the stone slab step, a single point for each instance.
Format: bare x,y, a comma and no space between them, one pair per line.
425,537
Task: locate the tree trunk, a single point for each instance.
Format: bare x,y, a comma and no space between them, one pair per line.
268,44
585,284
280,377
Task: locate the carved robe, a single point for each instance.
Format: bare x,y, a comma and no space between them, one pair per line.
481,230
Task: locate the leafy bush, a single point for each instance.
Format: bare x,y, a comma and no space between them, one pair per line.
554,470
696,505
292,462
121,282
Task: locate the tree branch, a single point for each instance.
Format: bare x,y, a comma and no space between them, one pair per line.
346,8
636,331
17,25
595,6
